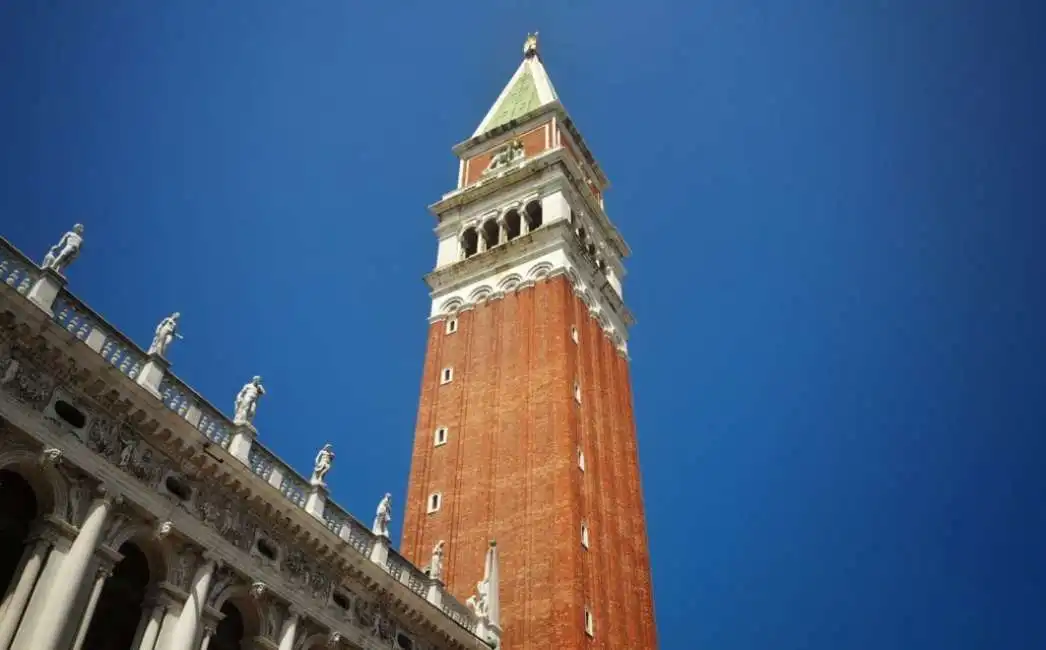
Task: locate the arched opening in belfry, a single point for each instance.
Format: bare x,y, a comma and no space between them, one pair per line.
229,634
469,242
18,509
490,233
534,215
513,226
116,617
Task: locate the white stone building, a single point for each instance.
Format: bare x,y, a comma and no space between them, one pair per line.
134,515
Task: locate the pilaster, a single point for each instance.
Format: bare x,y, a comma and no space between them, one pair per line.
152,374
46,289
242,438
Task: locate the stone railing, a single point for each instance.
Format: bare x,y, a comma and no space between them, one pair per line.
458,613
46,291
16,270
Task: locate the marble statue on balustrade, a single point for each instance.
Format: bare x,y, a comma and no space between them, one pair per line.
166,332
383,517
436,565
322,465
65,251
247,401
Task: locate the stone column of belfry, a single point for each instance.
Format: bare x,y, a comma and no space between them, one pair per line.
17,598
62,596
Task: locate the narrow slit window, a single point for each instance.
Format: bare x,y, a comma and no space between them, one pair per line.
581,459
590,623
584,534
441,436
577,392
446,376
574,334
452,325
435,502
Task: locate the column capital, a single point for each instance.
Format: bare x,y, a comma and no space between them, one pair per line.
104,571
295,611
108,494
212,557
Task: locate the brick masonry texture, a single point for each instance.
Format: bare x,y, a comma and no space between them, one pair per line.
534,142
509,471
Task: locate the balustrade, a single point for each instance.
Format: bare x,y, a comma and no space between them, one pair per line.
72,315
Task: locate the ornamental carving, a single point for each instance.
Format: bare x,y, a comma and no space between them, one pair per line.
227,516
223,578
30,374
123,447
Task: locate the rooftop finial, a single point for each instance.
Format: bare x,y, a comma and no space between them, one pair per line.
530,46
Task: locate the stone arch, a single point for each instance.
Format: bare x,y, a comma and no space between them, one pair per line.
451,306
469,240
534,214
19,509
238,595
510,282
480,294
574,278
539,270
113,624
51,488
159,554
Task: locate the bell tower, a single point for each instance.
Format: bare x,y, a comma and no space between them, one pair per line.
525,431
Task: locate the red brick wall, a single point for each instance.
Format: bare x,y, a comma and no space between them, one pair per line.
509,471
533,144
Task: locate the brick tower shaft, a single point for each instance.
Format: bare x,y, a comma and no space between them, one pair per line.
525,430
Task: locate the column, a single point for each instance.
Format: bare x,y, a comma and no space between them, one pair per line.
71,575
208,632
185,630
103,574
289,632
146,637
168,623
17,598
502,230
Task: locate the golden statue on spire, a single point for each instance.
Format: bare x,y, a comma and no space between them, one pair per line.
530,46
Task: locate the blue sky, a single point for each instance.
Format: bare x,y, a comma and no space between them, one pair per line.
835,211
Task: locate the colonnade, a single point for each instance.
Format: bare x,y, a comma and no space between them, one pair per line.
66,575
505,227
